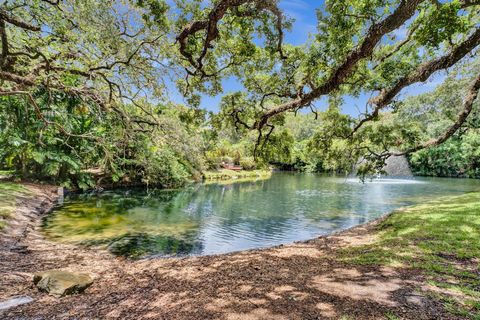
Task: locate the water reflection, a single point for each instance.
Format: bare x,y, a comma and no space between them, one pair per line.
214,218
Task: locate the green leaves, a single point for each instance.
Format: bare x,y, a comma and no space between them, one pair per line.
157,10
40,151
440,23
39,157
458,157
93,57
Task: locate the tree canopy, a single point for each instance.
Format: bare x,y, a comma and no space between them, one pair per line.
115,61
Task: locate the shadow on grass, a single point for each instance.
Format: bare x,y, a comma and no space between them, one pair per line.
9,194
441,238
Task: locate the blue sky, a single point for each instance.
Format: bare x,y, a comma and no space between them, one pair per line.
304,14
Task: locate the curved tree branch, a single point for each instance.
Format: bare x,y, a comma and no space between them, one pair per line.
402,13
461,118
210,26
4,15
421,74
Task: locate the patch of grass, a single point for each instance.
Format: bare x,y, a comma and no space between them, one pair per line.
6,187
225,174
442,239
391,316
6,173
8,195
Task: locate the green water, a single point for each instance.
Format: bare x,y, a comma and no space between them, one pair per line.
210,219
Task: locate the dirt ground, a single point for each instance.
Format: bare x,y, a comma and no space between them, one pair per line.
296,281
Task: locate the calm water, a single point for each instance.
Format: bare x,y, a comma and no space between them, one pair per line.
209,219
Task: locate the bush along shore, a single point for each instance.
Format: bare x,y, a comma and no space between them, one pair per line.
226,174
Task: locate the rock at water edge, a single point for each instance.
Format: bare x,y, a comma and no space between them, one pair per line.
60,283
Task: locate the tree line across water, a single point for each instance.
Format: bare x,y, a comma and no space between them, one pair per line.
85,94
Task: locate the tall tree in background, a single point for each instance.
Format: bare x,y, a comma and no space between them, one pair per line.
98,51
82,85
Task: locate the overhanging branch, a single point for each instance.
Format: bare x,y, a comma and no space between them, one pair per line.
421,74
210,27
461,118
402,13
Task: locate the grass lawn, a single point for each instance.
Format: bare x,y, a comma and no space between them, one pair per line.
225,174
6,172
440,238
8,195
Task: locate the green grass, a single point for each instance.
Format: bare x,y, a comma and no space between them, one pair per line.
225,174
6,172
8,198
442,239
391,316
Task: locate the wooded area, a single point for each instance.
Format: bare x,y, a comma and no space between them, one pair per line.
87,87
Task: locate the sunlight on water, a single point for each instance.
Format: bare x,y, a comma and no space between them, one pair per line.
386,181
219,218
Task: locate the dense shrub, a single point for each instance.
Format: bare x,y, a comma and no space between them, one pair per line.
168,155
248,163
457,157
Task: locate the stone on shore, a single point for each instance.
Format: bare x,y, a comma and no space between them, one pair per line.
59,283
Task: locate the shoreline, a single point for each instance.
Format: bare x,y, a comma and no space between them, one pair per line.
44,200
289,281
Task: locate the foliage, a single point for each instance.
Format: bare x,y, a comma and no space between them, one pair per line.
35,149
458,157
84,86
248,163
113,47
442,23
225,174
357,49
124,154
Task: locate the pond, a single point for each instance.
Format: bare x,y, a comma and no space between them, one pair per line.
218,218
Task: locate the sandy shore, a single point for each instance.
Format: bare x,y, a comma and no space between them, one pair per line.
295,281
